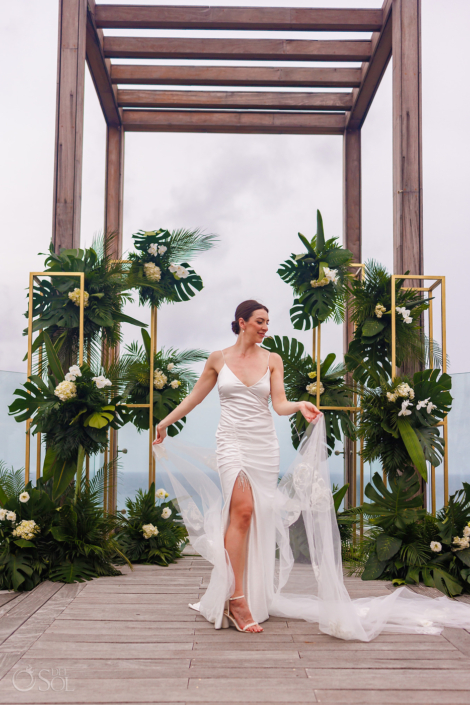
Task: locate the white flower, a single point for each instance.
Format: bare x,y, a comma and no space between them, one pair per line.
162,249
3,513
26,529
66,390
408,319
404,408
435,546
75,370
75,297
69,377
24,496
159,379
379,310
404,390
461,543
466,532
405,313
331,274
152,272
166,513
175,383
160,493
11,516
430,407
173,267
153,249
149,530
178,271
392,396
102,382
312,388
170,366
422,404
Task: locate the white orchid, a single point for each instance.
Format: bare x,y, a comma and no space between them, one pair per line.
405,313
404,408
435,546
160,493
331,274
162,249
166,513
430,407
24,496
153,249
182,273
421,404
102,382
75,370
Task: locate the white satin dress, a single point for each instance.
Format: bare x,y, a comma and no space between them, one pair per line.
247,444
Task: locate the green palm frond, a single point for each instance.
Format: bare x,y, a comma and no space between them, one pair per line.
11,480
188,243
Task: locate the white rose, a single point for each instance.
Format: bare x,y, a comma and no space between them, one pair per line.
312,388
159,379
175,383
24,496
435,546
166,513
11,516
149,530
65,390
162,249
160,493
170,366
102,382
3,513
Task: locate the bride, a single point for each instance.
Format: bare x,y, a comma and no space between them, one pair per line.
239,521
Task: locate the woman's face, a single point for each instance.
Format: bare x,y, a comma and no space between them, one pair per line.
256,326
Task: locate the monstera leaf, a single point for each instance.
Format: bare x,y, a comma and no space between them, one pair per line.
398,504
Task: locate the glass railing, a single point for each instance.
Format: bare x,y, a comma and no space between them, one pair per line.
133,469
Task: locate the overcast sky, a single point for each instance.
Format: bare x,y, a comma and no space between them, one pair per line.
255,192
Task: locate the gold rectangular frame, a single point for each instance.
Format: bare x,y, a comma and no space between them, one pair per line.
32,276
437,281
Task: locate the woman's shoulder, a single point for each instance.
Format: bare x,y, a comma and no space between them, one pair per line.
275,359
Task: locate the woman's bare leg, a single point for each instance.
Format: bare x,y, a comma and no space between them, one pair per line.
241,510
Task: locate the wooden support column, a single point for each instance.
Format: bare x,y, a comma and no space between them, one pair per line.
352,238
113,211
407,138
69,124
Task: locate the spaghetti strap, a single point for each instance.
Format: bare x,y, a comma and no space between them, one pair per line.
269,353
224,355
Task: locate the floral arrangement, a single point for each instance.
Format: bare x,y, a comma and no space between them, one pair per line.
153,532
318,277
300,382
398,421
66,540
369,306
72,410
172,381
154,268
405,544
56,302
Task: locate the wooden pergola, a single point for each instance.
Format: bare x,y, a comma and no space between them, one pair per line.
393,30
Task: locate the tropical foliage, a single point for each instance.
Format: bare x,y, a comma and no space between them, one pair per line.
154,269
369,307
398,421
153,532
318,278
56,303
300,373
407,545
172,382
72,410
44,539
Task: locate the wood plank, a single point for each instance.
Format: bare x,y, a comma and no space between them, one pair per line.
239,49
227,122
126,74
69,124
26,608
114,190
239,18
398,696
99,71
373,70
234,100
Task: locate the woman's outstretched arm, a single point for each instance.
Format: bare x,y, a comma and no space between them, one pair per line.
201,389
281,405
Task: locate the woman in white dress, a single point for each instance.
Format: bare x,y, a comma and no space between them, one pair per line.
247,455
239,521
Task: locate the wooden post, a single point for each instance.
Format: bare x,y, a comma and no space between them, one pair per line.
69,124
114,187
352,238
407,138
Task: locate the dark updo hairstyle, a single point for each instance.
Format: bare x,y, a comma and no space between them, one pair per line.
245,310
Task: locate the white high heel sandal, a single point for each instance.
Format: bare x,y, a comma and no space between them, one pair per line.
229,620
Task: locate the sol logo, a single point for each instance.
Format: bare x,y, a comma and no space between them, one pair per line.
56,679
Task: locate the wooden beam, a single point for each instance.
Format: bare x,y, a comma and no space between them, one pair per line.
239,49
373,70
113,212
69,124
238,18
99,70
125,74
407,138
229,122
235,100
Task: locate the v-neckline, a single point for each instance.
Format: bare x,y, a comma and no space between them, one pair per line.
246,385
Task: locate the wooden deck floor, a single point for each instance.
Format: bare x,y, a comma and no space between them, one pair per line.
132,639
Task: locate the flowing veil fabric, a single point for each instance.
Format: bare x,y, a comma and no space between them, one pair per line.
313,592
